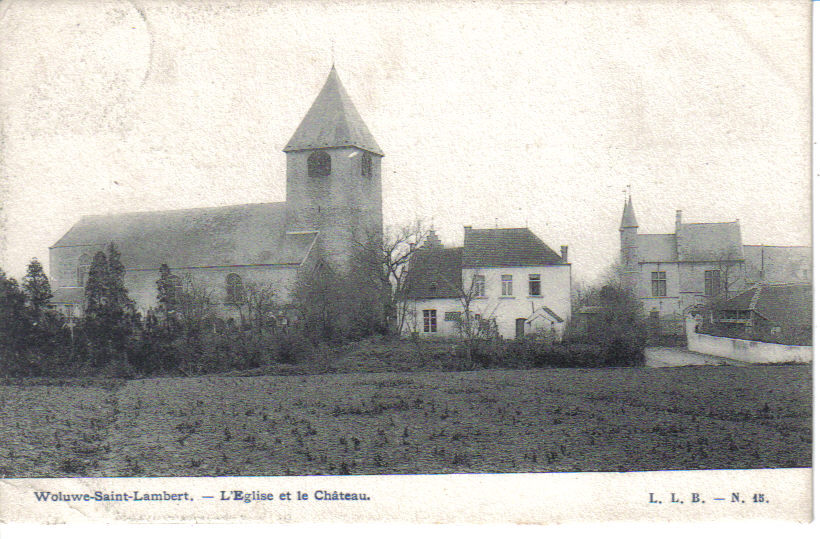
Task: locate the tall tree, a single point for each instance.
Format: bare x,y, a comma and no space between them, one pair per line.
109,312
14,322
117,293
167,292
37,287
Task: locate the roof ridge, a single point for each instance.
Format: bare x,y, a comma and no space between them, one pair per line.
198,208
777,246
712,223
755,297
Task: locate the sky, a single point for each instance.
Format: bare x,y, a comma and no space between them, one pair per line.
505,114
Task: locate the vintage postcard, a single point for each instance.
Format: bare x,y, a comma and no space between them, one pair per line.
429,262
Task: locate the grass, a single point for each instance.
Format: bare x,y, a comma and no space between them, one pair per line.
540,420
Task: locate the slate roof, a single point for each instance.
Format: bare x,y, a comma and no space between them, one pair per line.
506,247
657,248
709,242
786,305
547,312
246,234
332,121
435,273
628,219
781,264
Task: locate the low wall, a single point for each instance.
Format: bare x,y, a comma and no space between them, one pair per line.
744,350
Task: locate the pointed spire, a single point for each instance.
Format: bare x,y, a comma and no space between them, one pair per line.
628,219
332,121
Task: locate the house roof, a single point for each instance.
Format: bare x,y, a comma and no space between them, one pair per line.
628,219
709,242
435,272
332,121
506,247
246,234
657,248
546,312
782,304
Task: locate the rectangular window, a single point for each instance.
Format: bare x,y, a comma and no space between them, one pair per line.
659,284
429,320
535,284
711,280
478,286
452,316
506,285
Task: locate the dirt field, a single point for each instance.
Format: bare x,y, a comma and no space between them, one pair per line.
485,421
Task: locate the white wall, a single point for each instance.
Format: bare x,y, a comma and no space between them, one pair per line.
744,350
555,294
415,319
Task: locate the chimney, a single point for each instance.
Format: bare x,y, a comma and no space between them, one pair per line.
565,253
678,218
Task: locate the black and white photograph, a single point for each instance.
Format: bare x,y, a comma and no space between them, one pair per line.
278,239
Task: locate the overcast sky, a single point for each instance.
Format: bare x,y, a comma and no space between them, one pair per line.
525,114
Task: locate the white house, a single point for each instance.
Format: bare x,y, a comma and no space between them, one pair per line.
505,279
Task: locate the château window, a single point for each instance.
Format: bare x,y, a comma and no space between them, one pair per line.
318,165
429,316
711,280
83,266
233,287
659,284
367,165
506,285
535,284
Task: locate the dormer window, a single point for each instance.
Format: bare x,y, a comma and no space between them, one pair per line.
318,165
367,165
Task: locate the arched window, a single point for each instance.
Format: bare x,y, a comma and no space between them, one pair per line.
367,165
83,266
318,165
233,288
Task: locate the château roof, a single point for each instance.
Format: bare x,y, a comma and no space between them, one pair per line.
332,121
699,242
247,234
628,219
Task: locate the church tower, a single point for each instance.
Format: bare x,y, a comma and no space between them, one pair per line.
334,175
630,268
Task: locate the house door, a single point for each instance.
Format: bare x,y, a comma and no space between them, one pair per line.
519,327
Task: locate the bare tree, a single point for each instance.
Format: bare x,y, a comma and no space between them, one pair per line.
195,305
381,262
261,301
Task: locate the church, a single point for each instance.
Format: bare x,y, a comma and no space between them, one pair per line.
333,200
